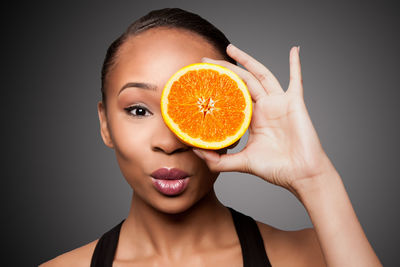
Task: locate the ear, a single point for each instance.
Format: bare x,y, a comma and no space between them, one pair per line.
105,133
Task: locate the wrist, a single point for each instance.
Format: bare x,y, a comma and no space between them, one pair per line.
314,185
339,232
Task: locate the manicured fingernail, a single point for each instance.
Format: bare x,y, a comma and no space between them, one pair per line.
298,49
232,46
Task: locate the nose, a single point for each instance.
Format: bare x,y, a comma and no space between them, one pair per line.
164,140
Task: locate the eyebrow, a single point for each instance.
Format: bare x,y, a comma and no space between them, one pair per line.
146,86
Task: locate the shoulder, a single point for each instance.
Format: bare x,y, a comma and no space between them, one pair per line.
80,256
291,248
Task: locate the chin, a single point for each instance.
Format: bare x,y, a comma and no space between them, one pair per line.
174,205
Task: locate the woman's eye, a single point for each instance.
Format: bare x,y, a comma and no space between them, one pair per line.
138,111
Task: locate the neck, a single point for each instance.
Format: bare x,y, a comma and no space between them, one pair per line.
148,231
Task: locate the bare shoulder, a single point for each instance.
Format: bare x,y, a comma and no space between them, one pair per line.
292,248
78,257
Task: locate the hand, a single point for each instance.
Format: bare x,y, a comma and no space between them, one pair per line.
283,146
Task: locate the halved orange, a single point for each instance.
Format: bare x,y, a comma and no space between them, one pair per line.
206,105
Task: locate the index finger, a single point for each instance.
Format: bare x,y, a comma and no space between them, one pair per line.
263,74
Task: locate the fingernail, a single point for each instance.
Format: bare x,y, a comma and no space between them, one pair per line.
205,59
232,46
298,49
198,153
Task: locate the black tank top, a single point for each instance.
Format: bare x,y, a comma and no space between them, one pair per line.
251,242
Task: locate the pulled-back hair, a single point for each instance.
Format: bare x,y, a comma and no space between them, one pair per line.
171,18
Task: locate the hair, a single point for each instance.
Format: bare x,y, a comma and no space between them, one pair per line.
171,18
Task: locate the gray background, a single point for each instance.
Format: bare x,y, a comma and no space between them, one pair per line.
62,187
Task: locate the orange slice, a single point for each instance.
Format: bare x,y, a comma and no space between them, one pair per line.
206,105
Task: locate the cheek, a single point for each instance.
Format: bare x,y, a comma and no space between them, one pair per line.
131,141
205,177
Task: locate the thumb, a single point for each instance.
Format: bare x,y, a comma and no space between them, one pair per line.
221,163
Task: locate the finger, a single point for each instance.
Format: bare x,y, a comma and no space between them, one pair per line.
255,88
264,75
221,163
296,80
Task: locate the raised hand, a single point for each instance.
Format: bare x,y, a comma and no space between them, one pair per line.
283,146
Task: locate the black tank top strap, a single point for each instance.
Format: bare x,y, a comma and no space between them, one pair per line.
251,242
253,250
104,251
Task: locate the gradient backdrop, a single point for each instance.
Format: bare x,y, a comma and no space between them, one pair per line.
61,186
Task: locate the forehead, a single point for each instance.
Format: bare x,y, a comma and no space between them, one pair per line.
154,55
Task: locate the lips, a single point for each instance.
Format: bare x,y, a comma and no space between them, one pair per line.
170,182
169,174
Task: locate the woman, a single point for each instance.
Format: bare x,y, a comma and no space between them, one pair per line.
190,226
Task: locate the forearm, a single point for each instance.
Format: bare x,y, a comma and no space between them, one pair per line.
342,239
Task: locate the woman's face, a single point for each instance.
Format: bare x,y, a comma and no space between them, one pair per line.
141,140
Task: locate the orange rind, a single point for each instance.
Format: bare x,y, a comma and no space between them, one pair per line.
206,105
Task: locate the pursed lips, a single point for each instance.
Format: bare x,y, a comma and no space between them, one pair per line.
169,174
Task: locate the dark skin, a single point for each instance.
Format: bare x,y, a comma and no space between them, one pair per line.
173,231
